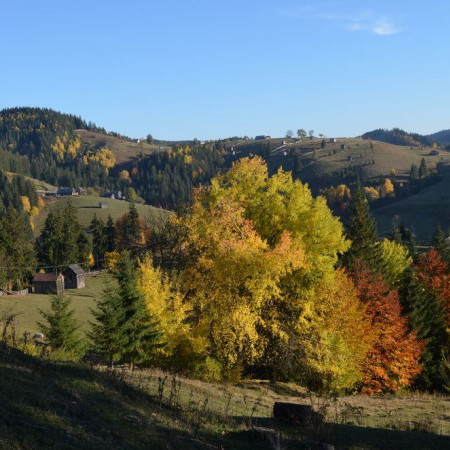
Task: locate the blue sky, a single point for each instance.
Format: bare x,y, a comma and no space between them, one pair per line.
213,68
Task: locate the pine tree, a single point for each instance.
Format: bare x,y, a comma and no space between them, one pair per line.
413,173
17,248
409,241
106,334
426,316
423,169
362,231
97,228
61,330
439,243
137,328
110,235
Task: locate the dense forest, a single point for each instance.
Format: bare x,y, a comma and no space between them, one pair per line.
43,144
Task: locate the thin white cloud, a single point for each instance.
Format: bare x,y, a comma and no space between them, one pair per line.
362,20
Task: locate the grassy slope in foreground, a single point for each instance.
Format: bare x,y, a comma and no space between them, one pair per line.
68,406
87,206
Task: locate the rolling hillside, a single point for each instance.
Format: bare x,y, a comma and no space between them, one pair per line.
421,212
332,165
123,149
87,206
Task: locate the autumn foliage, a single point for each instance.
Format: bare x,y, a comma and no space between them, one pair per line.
393,359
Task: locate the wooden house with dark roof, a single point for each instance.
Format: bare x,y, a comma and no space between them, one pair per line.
48,283
74,277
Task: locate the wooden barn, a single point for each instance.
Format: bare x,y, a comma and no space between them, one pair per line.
48,283
74,277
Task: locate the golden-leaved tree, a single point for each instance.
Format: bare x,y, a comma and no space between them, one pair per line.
262,282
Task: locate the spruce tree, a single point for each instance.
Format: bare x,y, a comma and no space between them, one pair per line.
97,228
413,173
107,332
362,231
409,242
426,316
440,244
110,235
61,330
138,329
423,169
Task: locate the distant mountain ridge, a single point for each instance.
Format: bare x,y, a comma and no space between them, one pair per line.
397,136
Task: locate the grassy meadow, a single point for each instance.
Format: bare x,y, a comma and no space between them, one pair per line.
27,307
87,206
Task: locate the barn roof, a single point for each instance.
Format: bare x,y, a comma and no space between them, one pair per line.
46,277
76,269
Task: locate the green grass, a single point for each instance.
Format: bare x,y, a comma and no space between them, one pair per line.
28,307
46,404
88,206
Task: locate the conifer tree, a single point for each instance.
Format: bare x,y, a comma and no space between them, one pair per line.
414,173
99,238
106,334
409,241
125,330
439,243
362,230
423,169
17,249
62,328
426,316
110,232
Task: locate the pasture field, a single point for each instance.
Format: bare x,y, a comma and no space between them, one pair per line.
87,206
27,307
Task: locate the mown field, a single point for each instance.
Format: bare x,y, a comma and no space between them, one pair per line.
88,206
27,307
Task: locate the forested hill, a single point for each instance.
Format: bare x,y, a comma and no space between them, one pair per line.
42,143
397,136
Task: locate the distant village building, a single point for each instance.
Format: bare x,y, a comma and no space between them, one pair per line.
333,140
64,192
434,153
102,205
343,146
261,137
114,195
48,283
74,277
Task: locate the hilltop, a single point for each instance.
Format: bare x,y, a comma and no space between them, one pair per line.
340,160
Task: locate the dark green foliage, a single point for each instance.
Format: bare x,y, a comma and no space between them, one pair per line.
99,237
397,136
129,231
139,335
362,231
61,329
423,169
426,316
166,179
440,244
124,330
110,235
17,254
414,173
106,334
12,190
62,241
28,135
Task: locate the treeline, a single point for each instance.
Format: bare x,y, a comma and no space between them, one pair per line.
166,179
47,139
397,136
260,280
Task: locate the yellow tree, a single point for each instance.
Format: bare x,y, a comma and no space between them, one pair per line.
261,248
